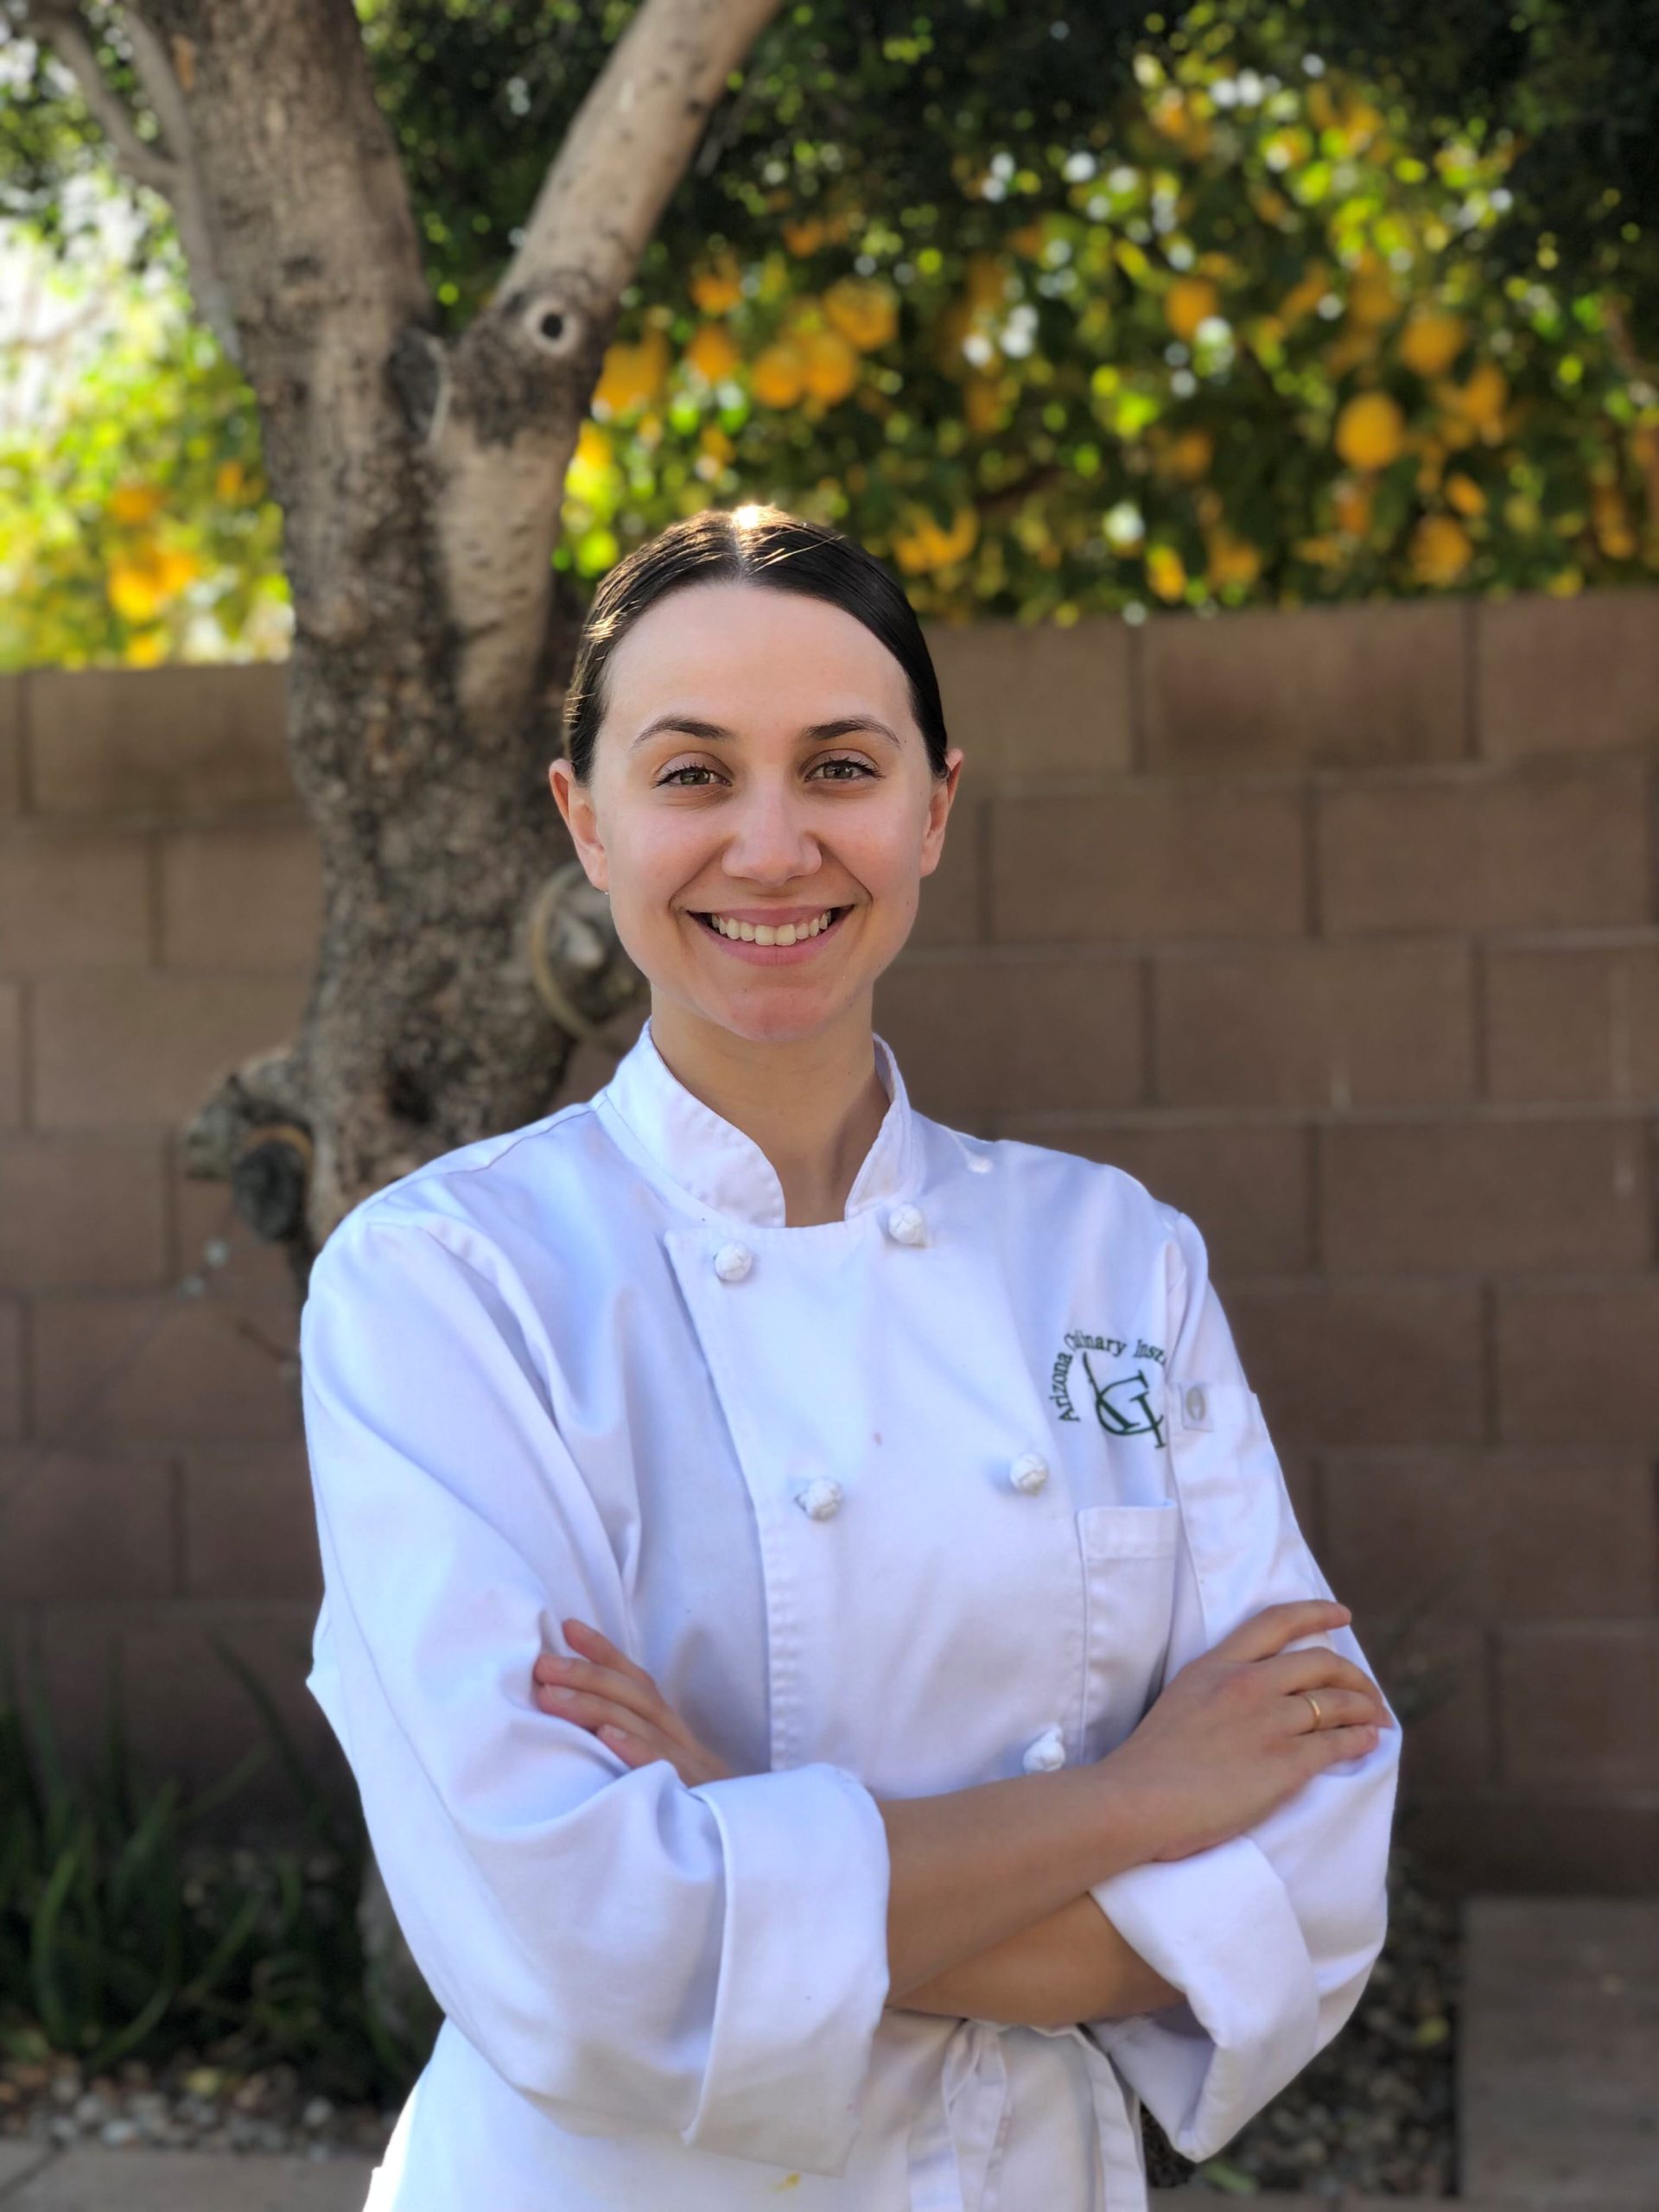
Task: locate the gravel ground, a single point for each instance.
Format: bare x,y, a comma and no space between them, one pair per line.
187,2107
1373,2114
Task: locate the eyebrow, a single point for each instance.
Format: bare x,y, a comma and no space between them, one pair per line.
689,726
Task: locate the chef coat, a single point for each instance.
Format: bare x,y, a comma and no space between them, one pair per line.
936,1494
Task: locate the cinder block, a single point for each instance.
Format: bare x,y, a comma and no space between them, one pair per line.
251,1526
1151,859
1539,1841
1324,1024
1247,1188
244,1267
165,1368
1434,1675
1028,700
82,1525
11,1057
73,900
1493,1535
180,742
11,746
1576,1363
81,1215
241,897
1362,1363
990,1034
1578,1705
133,1052
188,1716
1478,1196
1565,1023
950,910
1556,844
1568,674
11,1368
1370,685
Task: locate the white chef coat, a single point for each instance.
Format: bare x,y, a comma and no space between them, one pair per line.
935,1494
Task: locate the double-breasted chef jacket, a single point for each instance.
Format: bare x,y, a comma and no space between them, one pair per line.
938,1493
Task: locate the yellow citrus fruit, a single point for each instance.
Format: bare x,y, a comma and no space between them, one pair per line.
981,402
134,590
632,375
778,376
133,504
1478,402
864,310
1441,550
1189,302
714,441
807,236
923,545
1352,504
1233,560
1465,495
1189,454
1431,342
713,353
1370,431
831,365
1372,300
717,288
174,569
145,648
1165,572
1611,521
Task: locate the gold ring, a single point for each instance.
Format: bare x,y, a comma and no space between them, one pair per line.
1314,1702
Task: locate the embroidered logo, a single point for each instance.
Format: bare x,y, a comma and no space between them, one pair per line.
1122,1402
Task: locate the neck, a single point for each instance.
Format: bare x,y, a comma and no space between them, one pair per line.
813,1104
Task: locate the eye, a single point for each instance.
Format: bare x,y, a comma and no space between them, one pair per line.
845,761
691,768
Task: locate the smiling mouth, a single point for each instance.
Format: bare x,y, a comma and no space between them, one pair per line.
784,935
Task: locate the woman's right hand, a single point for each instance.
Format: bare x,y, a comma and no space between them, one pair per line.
1231,1736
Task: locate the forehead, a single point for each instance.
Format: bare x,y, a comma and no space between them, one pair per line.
729,651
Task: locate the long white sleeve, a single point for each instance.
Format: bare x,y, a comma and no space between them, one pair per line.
622,1950
1272,1936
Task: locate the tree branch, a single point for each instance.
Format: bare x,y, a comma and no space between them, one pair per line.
168,166
632,139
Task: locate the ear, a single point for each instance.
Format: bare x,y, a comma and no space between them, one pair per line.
575,803
940,799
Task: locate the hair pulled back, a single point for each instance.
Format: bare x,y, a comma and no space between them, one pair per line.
750,544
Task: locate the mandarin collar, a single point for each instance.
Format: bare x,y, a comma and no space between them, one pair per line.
712,1162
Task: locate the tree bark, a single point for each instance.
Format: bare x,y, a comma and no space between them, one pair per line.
420,481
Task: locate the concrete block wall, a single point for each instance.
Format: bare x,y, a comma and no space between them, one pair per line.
1339,927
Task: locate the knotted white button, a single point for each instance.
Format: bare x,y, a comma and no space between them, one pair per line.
907,1225
820,1498
1047,1753
1029,1472
733,1263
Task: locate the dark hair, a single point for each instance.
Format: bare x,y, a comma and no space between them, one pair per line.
767,546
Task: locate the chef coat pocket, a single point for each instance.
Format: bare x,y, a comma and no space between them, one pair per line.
1129,1554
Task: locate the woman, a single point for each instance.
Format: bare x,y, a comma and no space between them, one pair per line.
841,1701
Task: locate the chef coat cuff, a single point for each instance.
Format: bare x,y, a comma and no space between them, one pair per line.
1219,1926
803,1970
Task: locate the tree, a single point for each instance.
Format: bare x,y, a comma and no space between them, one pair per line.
1059,312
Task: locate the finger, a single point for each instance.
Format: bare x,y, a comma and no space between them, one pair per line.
1337,1709
596,1713
643,1698
1269,1630
593,1643
1336,1744
1320,1669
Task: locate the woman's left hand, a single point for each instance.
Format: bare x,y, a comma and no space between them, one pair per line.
605,1693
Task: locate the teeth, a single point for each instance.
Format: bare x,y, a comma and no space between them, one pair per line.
764,933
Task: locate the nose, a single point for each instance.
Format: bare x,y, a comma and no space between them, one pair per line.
769,841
